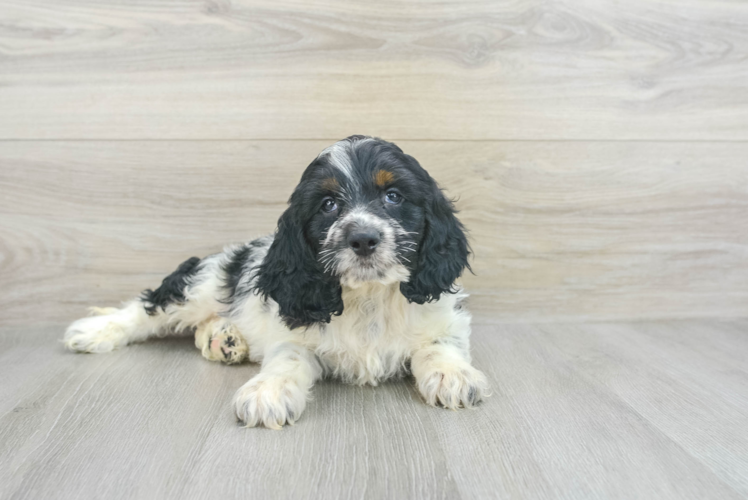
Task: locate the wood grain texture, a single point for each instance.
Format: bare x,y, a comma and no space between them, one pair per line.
559,230
479,69
621,410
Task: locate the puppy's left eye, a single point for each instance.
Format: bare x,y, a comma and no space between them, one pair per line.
329,205
393,197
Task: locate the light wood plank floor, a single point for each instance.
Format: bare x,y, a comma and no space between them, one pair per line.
597,410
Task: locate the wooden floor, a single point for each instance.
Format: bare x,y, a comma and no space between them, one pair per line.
605,410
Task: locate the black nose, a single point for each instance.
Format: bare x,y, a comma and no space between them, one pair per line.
363,242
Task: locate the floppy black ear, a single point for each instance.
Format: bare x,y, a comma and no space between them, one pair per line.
442,253
292,276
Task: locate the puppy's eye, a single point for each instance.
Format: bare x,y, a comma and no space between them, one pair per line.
393,197
329,205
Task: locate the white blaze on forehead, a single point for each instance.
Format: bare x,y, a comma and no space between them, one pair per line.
339,155
363,218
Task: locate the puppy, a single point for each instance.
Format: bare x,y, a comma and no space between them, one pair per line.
358,283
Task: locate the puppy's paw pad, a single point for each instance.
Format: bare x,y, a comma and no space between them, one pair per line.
269,400
454,387
227,346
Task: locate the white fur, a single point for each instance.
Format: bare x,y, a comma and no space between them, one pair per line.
278,394
112,329
445,377
339,155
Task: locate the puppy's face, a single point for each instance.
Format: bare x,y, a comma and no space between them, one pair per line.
363,212
368,211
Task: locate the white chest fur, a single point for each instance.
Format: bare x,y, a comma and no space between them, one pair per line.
377,333
374,337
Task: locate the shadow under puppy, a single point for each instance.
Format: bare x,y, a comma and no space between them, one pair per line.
358,283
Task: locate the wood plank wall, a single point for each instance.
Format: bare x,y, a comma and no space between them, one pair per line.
597,149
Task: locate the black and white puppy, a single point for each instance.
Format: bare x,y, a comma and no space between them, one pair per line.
358,283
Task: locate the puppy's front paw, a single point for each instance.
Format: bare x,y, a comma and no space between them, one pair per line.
453,387
269,400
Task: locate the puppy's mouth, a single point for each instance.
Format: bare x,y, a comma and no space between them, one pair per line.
341,261
366,262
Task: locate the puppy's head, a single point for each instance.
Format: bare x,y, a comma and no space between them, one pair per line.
363,212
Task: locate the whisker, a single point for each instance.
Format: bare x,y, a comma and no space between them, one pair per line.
329,266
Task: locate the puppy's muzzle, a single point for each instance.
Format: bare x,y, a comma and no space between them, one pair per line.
364,241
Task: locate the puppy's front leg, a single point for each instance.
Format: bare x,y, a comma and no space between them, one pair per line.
277,395
445,377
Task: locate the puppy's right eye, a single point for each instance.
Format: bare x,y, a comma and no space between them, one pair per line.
329,205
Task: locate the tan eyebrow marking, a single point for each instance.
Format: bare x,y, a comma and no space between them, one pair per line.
383,177
331,183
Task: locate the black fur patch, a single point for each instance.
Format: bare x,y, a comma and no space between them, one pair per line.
443,251
172,288
235,269
292,276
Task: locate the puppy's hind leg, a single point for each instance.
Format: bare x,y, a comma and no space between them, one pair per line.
110,328
185,298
